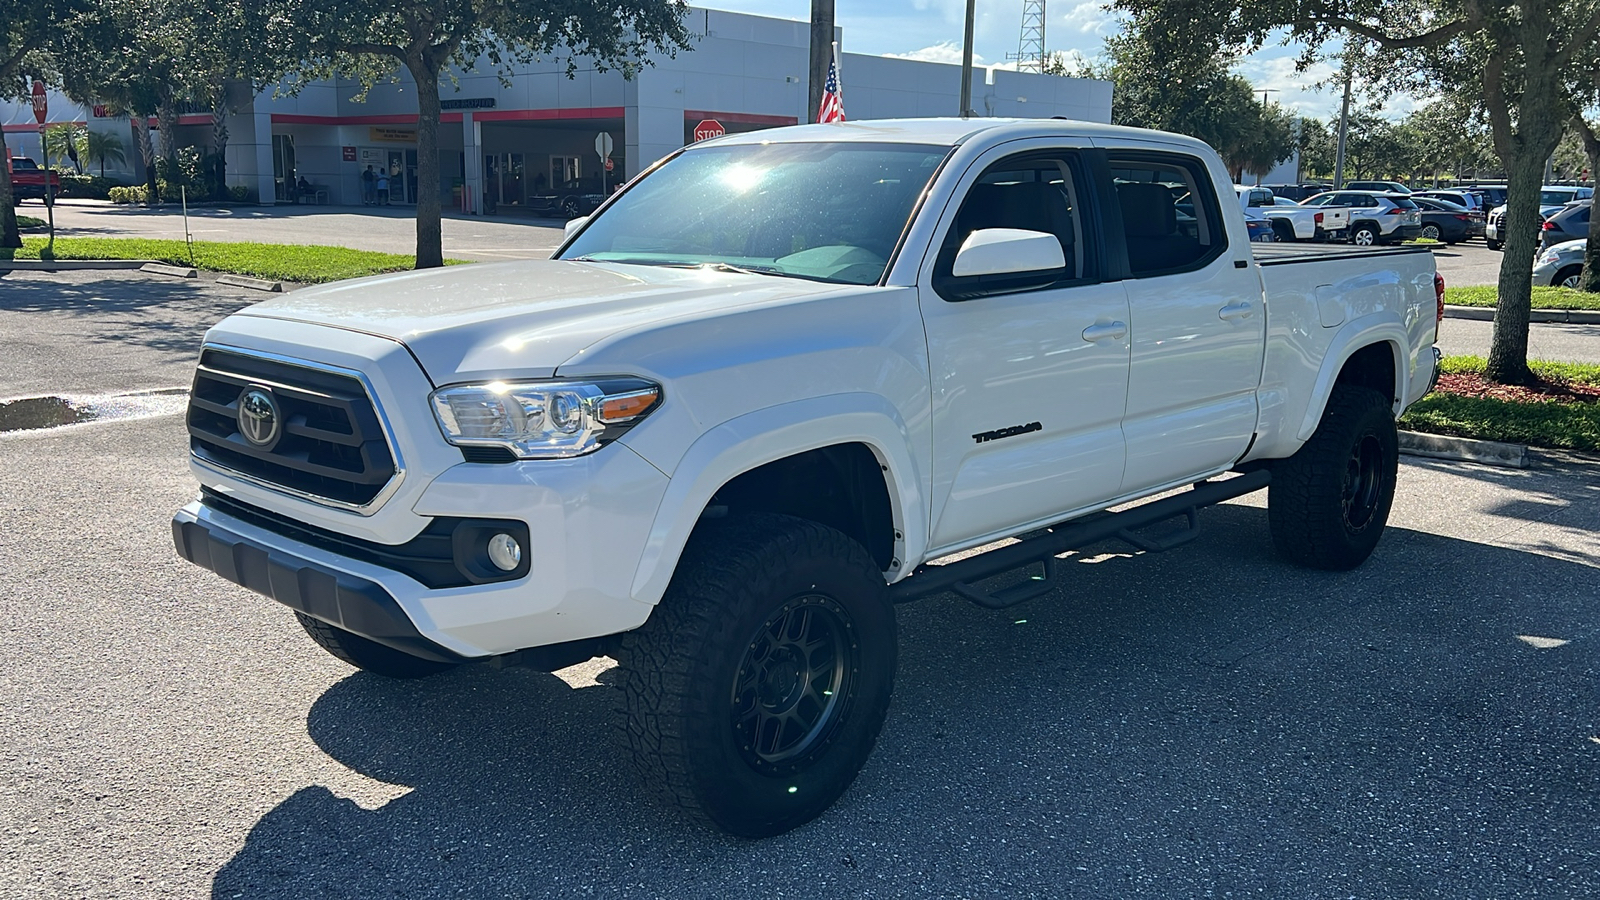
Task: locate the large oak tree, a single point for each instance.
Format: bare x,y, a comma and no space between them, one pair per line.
1518,55
367,39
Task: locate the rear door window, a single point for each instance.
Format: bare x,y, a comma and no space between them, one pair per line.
1170,216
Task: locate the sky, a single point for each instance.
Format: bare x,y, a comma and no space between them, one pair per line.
931,29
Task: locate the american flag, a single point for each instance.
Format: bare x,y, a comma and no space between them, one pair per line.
832,108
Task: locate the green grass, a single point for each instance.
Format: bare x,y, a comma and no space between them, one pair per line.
1569,426
1583,373
279,262
1543,297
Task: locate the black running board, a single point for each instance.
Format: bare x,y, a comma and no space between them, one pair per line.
1042,549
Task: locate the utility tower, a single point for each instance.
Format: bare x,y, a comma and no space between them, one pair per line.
1030,48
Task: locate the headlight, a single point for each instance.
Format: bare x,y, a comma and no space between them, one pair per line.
543,419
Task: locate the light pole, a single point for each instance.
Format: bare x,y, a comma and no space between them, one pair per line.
966,61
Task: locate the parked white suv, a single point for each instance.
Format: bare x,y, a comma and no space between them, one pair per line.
765,393
1375,218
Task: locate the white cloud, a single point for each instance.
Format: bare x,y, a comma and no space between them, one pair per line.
942,52
1309,93
1091,18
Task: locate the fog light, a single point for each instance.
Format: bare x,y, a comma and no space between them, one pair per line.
505,552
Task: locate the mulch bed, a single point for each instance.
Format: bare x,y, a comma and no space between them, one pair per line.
1475,385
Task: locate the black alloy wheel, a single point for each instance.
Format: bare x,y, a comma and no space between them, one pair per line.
1363,484
794,685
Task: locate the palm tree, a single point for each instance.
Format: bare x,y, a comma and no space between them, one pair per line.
65,141
106,147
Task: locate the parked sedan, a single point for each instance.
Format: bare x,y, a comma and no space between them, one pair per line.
1445,221
1560,265
572,199
1570,224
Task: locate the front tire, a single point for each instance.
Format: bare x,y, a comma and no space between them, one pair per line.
1568,277
1493,245
368,655
1328,504
756,690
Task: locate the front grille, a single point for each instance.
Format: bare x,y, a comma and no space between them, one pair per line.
331,445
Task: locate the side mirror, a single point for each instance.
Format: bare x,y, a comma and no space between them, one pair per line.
1001,251
573,225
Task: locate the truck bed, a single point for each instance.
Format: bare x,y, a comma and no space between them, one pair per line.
1277,254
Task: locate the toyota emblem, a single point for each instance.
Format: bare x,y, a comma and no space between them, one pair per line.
259,420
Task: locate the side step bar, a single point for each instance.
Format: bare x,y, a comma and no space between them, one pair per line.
1057,539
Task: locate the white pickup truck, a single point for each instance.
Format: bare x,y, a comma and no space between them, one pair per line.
756,399
1291,221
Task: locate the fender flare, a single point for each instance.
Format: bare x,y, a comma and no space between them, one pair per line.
1357,335
754,439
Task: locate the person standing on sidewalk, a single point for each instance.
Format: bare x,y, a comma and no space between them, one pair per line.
369,187
383,187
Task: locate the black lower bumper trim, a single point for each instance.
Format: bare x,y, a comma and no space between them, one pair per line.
355,604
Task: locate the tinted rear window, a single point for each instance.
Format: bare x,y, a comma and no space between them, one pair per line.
1403,202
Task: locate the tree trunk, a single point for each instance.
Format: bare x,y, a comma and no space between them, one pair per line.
219,139
1590,280
167,122
9,236
147,156
430,239
1523,147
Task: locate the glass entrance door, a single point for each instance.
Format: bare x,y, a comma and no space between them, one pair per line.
563,169
505,179
402,168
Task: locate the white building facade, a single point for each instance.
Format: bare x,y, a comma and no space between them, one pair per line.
500,143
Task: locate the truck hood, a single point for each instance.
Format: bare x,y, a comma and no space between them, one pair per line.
523,319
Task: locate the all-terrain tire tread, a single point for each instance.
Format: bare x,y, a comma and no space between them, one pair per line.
655,682
1318,467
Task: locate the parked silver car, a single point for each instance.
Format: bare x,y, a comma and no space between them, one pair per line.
1560,265
1551,199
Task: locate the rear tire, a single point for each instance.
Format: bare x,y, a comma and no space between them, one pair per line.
1328,504
1431,232
756,690
368,655
1364,236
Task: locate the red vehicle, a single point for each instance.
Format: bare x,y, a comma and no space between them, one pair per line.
27,180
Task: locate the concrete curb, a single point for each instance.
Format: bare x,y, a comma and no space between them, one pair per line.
1567,316
174,271
72,265
1438,446
256,284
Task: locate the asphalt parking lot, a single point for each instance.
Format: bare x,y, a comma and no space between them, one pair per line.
1209,721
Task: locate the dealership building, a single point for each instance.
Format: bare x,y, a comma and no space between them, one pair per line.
500,142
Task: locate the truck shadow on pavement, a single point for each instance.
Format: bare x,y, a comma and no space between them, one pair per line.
165,314
1210,719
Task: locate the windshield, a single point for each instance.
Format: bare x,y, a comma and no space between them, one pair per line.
821,211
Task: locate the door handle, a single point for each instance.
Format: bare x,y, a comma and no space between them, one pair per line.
1115,331
1235,311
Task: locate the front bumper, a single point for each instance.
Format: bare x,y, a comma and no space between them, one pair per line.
356,604
588,521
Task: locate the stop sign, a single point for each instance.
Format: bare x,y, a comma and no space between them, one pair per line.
40,101
705,131
611,164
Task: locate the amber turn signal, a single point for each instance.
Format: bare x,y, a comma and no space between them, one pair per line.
622,407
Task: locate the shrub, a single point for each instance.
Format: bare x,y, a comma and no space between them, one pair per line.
240,194
90,187
133,194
